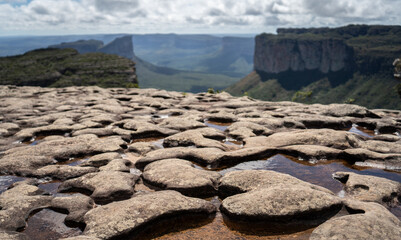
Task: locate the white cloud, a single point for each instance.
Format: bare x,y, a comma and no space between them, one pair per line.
13,1
189,16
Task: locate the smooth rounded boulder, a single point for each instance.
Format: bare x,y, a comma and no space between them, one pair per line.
182,176
119,219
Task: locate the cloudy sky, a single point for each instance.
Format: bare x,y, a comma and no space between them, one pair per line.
59,17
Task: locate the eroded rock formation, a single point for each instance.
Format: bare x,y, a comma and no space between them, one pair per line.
125,162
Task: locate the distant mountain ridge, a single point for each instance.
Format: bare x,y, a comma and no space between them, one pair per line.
121,46
188,52
150,75
324,65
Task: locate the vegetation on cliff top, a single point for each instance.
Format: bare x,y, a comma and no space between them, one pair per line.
370,82
66,67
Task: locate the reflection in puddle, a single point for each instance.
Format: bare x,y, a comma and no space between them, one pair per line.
6,181
49,225
34,140
50,187
73,161
217,227
362,131
217,125
319,174
233,142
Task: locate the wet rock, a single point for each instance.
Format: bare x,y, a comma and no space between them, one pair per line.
242,130
10,235
198,138
142,147
77,206
18,202
101,159
321,137
63,172
370,188
182,176
367,221
282,203
132,214
106,186
181,124
122,165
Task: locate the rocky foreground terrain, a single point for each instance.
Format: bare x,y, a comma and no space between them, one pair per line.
93,163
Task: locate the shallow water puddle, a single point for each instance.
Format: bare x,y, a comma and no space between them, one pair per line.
233,142
362,131
6,181
157,141
214,227
48,224
73,161
50,187
34,141
217,125
319,174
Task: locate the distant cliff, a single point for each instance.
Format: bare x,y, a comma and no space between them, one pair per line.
275,55
66,67
150,75
121,46
346,64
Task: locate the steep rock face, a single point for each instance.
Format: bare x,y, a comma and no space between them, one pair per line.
121,46
276,55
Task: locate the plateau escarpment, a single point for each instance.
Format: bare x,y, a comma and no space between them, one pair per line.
347,64
279,55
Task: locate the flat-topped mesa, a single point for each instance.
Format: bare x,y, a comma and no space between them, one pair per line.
276,54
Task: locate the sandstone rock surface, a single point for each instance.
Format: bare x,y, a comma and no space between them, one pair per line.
105,186
129,215
122,149
182,176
